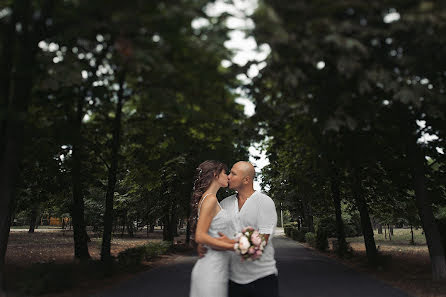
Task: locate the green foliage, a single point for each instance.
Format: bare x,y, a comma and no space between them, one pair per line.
321,239
287,228
352,225
134,256
179,109
310,238
156,249
51,278
294,233
338,89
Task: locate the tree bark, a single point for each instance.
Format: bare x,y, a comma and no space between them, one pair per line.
6,60
33,219
424,206
188,232
340,232
366,224
169,225
130,228
113,170
380,229
123,223
16,104
308,214
77,210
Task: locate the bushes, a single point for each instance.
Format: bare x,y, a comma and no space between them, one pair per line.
156,249
298,235
287,228
134,256
318,240
321,239
310,238
352,227
294,233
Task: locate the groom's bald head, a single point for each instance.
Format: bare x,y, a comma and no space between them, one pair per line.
241,176
247,169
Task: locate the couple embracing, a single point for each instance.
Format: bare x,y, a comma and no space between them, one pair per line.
220,272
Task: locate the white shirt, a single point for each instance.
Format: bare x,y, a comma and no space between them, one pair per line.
258,212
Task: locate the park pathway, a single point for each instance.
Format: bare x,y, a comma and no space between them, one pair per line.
302,272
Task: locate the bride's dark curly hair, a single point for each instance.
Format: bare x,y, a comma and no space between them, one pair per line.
204,175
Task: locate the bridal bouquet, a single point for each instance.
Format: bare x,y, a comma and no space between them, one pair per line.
250,244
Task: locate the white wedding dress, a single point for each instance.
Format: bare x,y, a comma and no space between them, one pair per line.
211,273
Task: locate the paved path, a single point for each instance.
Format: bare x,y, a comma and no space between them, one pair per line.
302,272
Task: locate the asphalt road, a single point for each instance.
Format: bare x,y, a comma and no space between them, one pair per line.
302,272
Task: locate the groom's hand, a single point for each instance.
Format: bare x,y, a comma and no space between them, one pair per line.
224,238
201,250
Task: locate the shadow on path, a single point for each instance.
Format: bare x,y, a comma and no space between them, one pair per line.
305,273
301,273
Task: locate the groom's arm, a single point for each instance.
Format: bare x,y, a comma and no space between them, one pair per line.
267,217
201,250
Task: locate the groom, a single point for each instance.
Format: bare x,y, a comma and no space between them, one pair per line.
251,208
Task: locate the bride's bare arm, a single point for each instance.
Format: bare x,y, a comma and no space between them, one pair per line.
208,211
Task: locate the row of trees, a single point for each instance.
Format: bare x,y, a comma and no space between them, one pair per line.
106,110
349,95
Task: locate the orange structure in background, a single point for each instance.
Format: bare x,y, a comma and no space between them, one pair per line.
58,221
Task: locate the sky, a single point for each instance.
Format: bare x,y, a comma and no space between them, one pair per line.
245,49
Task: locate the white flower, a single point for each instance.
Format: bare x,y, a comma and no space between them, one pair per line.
244,244
236,248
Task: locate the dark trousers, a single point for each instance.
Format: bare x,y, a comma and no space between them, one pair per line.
267,286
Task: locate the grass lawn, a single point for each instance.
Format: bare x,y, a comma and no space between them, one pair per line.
406,266
399,243
42,263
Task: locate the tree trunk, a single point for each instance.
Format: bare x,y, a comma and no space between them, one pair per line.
130,228
169,225
308,215
123,223
380,229
33,219
366,224
412,241
431,231
16,105
113,170
188,232
77,211
391,230
340,232
6,60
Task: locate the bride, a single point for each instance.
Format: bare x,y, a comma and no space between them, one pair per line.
210,273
